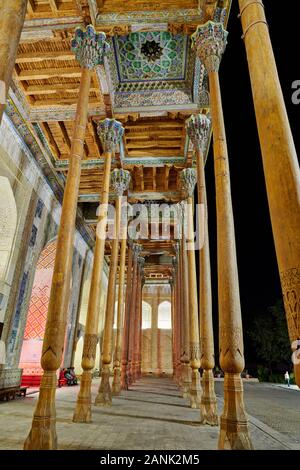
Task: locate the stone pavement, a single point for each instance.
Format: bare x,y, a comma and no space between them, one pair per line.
151,416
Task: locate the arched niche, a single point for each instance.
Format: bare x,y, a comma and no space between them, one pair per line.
37,317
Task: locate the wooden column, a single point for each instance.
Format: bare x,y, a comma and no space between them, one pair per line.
11,24
198,128
136,251
120,182
178,316
154,332
188,179
280,162
210,40
173,322
185,358
134,364
125,344
110,132
42,435
139,368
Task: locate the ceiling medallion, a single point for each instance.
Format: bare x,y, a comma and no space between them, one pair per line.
152,50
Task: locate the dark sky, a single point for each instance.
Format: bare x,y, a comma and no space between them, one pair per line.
258,271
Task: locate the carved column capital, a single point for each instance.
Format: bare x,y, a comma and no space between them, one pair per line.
120,180
110,133
188,179
198,129
89,47
210,41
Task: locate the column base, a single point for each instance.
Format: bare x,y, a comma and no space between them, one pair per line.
116,385
186,380
104,397
83,410
195,390
208,406
42,435
234,432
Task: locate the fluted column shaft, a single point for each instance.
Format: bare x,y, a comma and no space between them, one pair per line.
210,40
234,425
82,413
280,162
139,365
116,386
43,432
154,332
185,358
208,408
11,23
134,363
125,345
104,397
195,389
133,313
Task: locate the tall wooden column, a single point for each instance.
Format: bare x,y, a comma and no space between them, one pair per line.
11,23
210,41
139,367
110,132
172,284
136,251
280,162
198,128
125,344
120,182
154,333
178,315
89,49
188,179
176,319
185,358
134,364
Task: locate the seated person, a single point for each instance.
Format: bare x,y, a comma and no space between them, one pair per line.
69,377
72,372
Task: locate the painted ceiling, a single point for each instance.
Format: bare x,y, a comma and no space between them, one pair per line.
151,56
155,68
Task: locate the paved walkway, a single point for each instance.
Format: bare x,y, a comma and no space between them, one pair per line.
151,416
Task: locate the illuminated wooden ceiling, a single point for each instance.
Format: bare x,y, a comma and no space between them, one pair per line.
46,84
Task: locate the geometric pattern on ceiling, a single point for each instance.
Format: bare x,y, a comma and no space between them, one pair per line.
134,64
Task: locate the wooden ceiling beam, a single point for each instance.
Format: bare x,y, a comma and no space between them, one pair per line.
45,74
94,135
53,6
37,56
46,89
60,102
161,134
159,125
153,144
31,7
52,143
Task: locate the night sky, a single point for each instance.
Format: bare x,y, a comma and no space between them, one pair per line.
258,271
